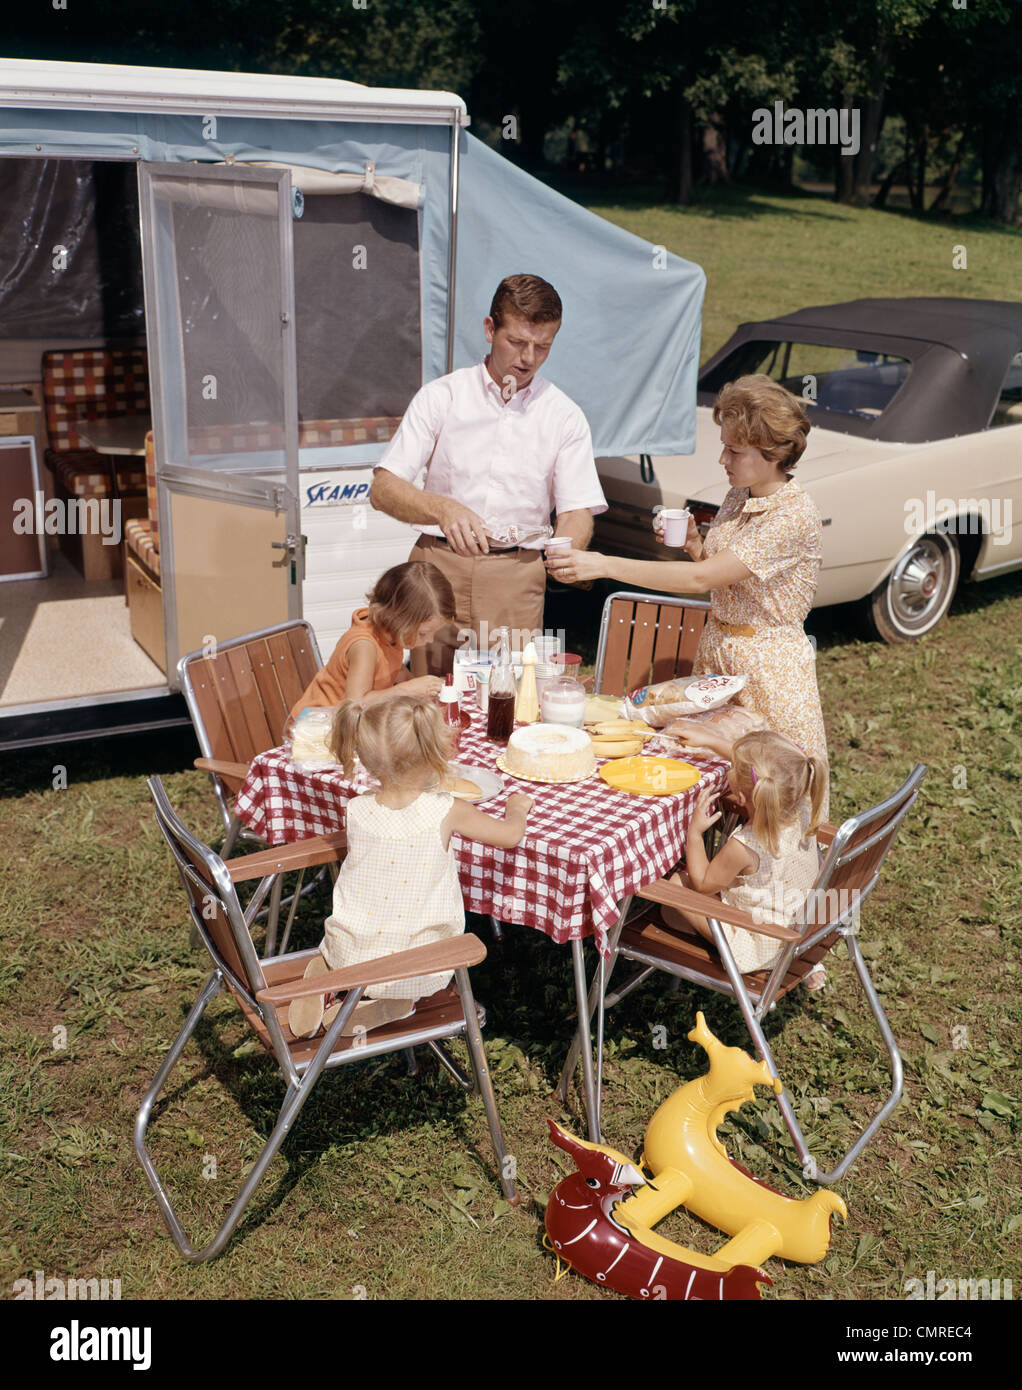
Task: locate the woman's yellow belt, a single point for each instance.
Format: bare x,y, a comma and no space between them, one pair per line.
736,629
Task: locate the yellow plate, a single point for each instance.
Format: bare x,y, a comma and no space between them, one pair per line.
650,776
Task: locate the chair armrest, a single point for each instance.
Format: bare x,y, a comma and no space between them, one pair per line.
676,895
456,954
282,859
825,833
222,768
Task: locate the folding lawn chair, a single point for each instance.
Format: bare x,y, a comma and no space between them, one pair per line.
264,988
239,697
649,638
645,639
848,873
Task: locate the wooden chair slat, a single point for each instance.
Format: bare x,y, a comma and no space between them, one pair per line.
207,700
665,650
226,689
693,620
692,953
289,675
640,659
648,641
305,664
440,1010
265,673
615,657
259,733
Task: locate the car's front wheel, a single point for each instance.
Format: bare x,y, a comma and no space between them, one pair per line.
918,592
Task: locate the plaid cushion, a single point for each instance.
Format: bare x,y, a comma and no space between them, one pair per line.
85,474
138,537
234,439
91,384
318,434
312,434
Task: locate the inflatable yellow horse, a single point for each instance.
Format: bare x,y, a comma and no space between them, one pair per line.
691,1168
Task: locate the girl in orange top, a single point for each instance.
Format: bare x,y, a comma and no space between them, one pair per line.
407,607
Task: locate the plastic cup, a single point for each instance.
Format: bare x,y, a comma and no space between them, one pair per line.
675,521
557,545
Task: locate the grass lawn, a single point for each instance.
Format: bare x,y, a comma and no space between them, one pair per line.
772,253
385,1187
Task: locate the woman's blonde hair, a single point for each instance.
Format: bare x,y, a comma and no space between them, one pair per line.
397,740
407,596
761,414
777,778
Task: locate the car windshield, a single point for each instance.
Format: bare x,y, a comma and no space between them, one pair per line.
845,381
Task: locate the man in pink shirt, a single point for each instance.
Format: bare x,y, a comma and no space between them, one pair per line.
502,447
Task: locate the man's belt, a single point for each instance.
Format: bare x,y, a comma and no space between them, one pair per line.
504,549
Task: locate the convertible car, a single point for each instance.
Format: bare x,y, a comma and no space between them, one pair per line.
914,458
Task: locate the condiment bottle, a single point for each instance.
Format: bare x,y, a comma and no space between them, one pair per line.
451,712
500,714
527,704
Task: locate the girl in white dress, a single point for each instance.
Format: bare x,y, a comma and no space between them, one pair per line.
398,885
768,865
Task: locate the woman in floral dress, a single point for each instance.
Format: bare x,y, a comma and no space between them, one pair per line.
760,562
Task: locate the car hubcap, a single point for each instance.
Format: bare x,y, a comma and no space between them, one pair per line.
920,583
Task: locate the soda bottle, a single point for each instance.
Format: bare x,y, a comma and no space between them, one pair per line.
500,716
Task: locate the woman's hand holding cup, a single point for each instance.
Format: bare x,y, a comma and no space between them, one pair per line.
676,527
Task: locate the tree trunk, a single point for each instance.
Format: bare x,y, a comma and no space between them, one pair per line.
855,172
947,187
715,150
892,178
681,165
918,202
1002,174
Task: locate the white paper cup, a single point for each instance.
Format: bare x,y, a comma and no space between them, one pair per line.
675,521
557,545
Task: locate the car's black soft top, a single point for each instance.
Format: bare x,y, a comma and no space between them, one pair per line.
960,350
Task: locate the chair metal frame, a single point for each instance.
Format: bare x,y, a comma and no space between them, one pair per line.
225,932
870,833
220,768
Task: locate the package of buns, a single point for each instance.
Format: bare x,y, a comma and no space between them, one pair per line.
659,704
730,722
310,734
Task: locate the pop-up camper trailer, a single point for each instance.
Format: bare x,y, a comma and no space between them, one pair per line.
264,270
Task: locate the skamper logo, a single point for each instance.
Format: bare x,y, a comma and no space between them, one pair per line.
323,494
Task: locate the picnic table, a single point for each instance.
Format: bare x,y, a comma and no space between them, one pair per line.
587,849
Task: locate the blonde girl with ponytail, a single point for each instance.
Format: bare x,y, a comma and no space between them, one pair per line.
770,863
398,885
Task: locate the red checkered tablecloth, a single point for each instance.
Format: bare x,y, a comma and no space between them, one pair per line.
586,846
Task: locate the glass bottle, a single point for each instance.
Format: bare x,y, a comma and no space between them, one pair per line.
500,714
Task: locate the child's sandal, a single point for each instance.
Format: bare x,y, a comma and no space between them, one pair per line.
306,1016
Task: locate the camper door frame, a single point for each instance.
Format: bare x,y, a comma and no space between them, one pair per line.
100,87
263,492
